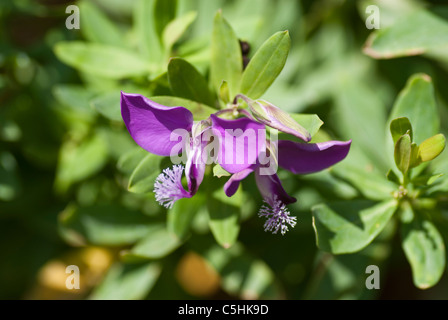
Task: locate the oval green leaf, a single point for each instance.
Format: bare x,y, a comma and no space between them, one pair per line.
349,227
431,148
145,174
425,251
186,82
158,243
224,214
414,34
266,65
101,60
226,60
127,282
402,153
399,127
97,27
108,225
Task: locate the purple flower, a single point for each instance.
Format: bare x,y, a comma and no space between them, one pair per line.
299,158
239,146
153,127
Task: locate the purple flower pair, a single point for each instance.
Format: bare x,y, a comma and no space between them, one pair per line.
239,146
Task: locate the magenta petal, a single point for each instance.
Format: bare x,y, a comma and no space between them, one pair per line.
241,141
233,183
301,158
151,124
272,190
195,167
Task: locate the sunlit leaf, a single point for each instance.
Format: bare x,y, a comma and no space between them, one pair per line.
371,184
108,225
176,28
399,127
349,227
108,105
226,60
224,213
78,161
265,65
97,27
180,217
158,243
127,282
414,34
102,60
186,82
402,154
417,103
149,42
431,147
425,251
145,174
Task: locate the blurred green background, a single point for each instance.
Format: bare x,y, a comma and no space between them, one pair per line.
66,157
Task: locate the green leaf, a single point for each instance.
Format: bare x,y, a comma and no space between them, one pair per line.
427,180
127,282
224,213
130,160
405,212
350,226
74,97
431,148
414,34
311,122
145,174
158,243
119,141
164,13
78,161
176,28
186,82
417,103
226,60
266,65
425,251
224,93
97,27
392,176
200,111
219,171
108,225
399,127
101,60
249,278
108,105
241,274
369,183
415,160
357,105
149,42
181,216
402,153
